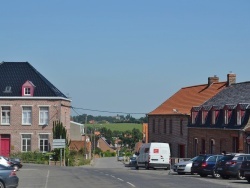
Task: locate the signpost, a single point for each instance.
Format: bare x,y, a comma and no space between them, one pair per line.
59,143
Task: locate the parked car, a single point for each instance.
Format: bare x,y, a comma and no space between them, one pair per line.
120,158
204,165
245,170
8,177
15,163
4,161
184,167
229,165
132,161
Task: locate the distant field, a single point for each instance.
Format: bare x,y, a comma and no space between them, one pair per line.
118,126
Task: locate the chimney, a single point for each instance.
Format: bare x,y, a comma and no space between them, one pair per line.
213,79
231,79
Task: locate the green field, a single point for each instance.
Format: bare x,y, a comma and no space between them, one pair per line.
118,126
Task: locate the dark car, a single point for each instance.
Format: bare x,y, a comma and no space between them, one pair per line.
204,165
132,161
245,170
15,163
229,165
8,177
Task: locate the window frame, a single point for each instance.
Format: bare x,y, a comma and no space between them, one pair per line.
43,112
238,117
6,115
27,91
27,112
43,145
27,144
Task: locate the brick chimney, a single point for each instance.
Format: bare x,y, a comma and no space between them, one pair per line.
213,79
231,79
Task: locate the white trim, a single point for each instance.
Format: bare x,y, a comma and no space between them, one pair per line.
76,123
43,105
44,133
6,105
28,105
41,98
26,133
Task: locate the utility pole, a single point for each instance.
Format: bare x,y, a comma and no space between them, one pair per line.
94,144
85,135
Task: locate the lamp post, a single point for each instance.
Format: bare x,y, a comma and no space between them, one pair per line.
85,139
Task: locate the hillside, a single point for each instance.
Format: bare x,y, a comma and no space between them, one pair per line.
118,126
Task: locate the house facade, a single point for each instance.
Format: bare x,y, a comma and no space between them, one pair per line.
29,105
222,122
168,122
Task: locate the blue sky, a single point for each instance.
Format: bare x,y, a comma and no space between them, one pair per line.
127,56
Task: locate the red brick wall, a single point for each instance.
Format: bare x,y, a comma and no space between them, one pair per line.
15,129
223,140
175,138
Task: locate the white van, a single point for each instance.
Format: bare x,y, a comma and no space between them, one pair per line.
154,155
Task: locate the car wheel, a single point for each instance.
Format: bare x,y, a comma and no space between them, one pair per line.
248,179
203,175
16,167
146,165
137,167
224,176
239,177
181,173
215,175
2,185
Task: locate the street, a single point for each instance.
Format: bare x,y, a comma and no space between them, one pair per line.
109,173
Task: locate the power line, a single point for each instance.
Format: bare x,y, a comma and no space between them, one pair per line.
104,111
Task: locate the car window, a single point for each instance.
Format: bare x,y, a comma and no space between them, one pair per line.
212,159
219,158
193,159
227,158
248,158
200,158
239,158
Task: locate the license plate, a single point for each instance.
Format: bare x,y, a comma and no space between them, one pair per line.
219,168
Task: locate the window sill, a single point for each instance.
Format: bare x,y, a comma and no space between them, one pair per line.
26,124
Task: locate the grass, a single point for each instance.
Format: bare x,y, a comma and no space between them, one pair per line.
118,126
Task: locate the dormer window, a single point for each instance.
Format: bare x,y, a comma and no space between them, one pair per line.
213,117
194,115
238,117
28,88
27,91
227,115
203,116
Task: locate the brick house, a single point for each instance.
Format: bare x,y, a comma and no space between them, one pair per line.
222,122
168,122
29,105
105,145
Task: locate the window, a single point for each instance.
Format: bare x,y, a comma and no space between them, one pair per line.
153,126
44,142
195,146
170,126
212,143
26,91
44,116
26,118
181,127
226,117
26,142
213,117
193,117
158,127
5,119
238,117
165,126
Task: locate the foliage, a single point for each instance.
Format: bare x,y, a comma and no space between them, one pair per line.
110,119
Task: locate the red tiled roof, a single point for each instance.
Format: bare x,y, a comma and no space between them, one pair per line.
187,97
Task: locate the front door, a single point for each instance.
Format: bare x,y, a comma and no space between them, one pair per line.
5,145
181,151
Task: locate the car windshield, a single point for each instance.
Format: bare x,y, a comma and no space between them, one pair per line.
193,159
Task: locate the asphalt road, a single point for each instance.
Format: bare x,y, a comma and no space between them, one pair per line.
109,173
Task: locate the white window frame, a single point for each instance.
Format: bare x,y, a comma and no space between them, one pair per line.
238,117
26,142
43,115
43,138
202,117
26,115
213,117
5,117
193,118
27,91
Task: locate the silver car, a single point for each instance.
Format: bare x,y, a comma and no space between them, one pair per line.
184,166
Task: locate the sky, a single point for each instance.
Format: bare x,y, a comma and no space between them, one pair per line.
127,56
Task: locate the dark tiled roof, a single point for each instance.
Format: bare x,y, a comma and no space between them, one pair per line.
15,74
206,108
234,94
243,105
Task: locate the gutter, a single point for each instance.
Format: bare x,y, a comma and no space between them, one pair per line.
36,98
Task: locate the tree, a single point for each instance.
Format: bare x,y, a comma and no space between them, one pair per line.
59,131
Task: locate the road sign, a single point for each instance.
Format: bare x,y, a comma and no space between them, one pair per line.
59,143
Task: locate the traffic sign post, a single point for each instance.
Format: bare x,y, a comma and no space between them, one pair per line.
59,143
